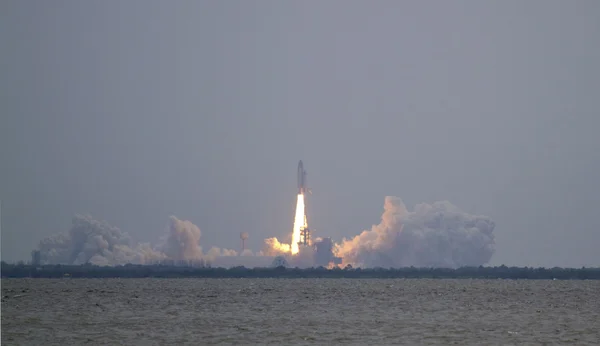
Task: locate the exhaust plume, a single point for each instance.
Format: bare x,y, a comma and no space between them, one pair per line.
299,221
436,235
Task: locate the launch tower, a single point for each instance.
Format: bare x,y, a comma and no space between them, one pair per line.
304,234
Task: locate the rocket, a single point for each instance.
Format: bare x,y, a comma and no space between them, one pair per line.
301,179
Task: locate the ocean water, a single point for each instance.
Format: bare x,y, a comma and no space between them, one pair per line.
298,312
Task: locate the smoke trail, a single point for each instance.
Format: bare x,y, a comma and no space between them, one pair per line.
437,235
299,221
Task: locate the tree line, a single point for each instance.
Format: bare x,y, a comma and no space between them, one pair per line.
9,270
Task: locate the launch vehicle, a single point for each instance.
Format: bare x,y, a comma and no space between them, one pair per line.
301,179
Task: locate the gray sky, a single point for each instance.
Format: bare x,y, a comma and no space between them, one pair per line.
133,111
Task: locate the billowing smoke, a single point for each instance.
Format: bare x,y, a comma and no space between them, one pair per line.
96,242
183,240
93,241
436,235
272,247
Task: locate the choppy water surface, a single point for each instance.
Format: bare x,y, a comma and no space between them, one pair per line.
298,311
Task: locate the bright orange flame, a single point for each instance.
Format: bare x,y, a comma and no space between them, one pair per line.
299,221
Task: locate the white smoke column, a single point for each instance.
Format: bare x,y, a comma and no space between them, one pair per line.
183,240
437,235
299,221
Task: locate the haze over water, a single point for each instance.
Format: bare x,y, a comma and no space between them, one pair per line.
298,311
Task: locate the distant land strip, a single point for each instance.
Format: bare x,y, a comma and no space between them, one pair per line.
9,270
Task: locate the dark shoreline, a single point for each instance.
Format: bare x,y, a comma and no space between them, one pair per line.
162,271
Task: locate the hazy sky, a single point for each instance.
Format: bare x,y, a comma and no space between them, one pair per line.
137,110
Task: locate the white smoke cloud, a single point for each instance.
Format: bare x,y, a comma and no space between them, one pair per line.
183,240
272,247
436,235
96,242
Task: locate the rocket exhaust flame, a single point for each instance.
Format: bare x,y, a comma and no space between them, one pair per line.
300,216
299,222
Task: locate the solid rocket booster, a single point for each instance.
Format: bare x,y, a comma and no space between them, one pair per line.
301,179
